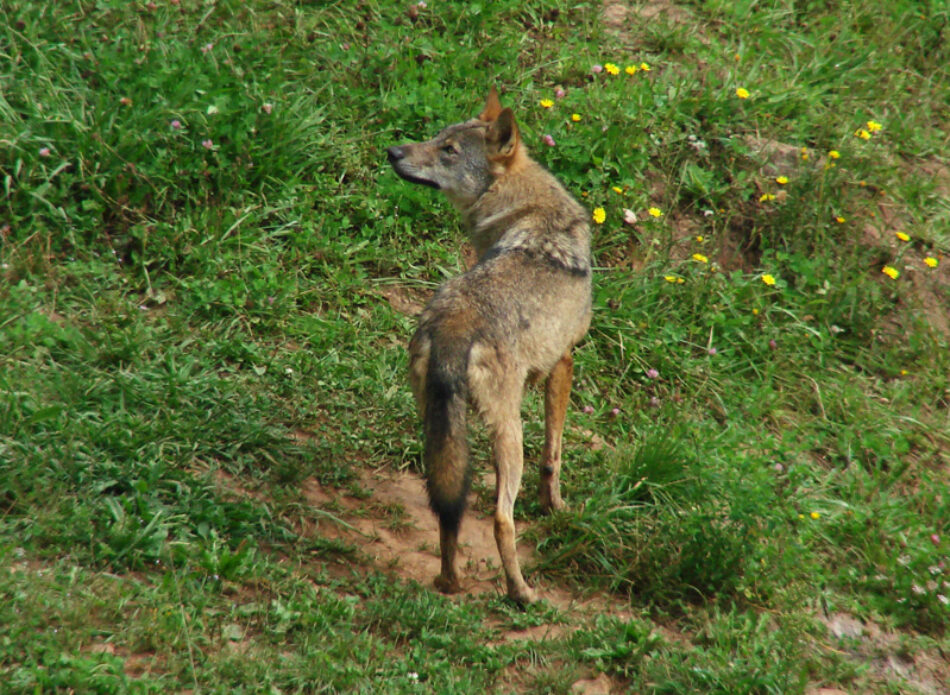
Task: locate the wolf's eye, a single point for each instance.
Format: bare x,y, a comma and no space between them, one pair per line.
449,149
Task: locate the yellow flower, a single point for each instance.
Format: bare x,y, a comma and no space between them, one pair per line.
645,67
669,278
766,197
931,262
840,220
834,154
742,93
630,69
611,68
680,281
700,257
600,215
815,515
804,154
546,103
575,117
801,516
874,126
768,279
700,238
781,180
655,212
892,273
617,189
755,312
862,133
902,236
904,372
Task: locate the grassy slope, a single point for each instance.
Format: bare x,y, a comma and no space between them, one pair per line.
196,230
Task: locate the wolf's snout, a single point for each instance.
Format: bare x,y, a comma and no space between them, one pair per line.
396,153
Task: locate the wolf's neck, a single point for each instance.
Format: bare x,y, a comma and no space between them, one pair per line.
507,205
487,230
534,213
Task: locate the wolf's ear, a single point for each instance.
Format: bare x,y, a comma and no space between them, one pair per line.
502,137
492,107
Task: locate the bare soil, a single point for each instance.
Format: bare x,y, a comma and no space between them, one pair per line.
396,531
629,21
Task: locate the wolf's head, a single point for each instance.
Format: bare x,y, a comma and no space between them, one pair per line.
464,159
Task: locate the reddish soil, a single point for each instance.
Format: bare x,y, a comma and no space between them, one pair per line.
395,530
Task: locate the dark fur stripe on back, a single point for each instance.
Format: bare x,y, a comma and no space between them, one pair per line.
578,267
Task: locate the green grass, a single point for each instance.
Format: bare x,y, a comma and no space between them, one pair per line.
196,230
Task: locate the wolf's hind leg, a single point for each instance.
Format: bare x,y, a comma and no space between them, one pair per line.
557,391
509,461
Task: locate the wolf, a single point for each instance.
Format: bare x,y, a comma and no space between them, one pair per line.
513,318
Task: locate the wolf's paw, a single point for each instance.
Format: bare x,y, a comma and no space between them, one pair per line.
551,503
447,585
554,506
522,594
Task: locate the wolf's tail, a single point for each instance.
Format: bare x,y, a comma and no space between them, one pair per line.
445,455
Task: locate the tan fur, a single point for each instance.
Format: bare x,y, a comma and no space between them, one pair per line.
514,317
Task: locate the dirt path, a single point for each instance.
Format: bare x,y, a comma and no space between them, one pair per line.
395,530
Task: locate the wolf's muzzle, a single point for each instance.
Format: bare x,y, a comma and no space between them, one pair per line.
396,156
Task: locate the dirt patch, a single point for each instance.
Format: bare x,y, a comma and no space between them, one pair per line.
599,685
404,299
886,653
934,170
99,648
232,485
930,296
926,294
135,664
538,633
629,21
773,158
396,531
